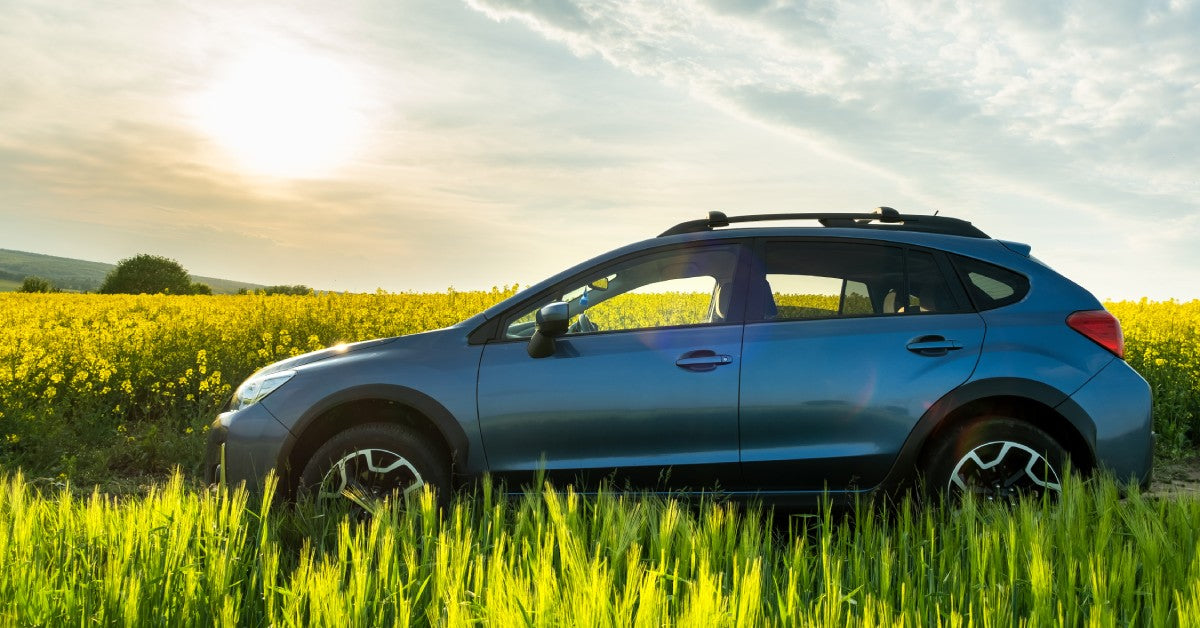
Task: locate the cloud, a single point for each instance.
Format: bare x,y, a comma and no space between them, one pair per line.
496,122
1099,104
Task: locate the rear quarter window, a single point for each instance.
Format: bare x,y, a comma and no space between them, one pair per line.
990,286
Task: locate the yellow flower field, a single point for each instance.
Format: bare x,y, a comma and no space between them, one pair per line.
93,385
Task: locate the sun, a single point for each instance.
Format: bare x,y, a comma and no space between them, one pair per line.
284,113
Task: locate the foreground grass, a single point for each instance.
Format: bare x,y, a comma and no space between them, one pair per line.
181,557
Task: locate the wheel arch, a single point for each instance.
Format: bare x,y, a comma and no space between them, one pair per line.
1043,406
360,405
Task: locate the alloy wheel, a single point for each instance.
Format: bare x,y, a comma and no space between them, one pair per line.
1004,471
370,473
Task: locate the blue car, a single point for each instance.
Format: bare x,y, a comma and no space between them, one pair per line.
852,353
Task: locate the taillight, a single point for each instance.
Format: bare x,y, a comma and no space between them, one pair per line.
1101,328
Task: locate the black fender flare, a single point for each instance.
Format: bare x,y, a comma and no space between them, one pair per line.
442,420
1040,392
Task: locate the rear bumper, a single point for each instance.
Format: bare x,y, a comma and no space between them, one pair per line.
1118,402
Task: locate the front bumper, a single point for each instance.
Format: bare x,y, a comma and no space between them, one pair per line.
243,447
214,453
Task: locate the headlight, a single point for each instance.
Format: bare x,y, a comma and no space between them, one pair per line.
254,389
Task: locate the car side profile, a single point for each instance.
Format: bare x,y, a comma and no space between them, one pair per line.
858,353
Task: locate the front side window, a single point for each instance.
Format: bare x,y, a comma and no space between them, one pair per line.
691,286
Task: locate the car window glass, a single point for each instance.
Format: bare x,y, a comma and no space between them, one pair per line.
991,286
928,291
808,280
692,286
856,299
805,296
661,304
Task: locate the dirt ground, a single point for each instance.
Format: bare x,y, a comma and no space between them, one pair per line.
1180,478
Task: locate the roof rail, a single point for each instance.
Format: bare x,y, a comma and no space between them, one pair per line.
881,218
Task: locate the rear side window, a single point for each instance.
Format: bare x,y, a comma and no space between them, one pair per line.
806,280
991,286
928,290
812,280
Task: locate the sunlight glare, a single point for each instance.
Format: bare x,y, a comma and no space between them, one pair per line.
284,113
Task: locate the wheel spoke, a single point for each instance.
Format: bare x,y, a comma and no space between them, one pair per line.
1011,471
1053,486
370,473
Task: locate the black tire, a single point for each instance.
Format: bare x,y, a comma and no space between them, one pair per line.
998,458
373,461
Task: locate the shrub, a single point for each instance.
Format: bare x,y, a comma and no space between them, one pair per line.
37,284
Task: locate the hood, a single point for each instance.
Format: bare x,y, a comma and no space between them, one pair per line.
324,354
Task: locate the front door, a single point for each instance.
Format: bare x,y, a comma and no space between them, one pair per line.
644,388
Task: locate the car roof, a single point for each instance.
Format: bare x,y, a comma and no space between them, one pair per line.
883,218
885,225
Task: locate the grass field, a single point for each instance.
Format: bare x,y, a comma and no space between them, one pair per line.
182,557
118,389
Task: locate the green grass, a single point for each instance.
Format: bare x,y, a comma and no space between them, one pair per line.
9,285
178,556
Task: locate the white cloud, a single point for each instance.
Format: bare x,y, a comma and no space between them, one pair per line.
1083,117
1101,98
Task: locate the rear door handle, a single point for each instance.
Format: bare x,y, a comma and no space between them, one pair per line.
702,360
933,345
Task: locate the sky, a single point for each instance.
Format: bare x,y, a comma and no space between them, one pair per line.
413,145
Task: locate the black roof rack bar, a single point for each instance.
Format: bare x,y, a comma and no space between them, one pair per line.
881,218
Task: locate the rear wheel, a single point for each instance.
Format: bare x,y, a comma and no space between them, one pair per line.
996,458
375,461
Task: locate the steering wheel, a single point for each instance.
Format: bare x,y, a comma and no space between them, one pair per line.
583,325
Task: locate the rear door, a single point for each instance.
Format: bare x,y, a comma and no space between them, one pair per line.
847,343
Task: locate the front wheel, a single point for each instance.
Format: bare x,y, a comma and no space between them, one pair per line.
995,458
373,462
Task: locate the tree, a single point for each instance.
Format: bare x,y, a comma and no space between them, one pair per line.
298,289
149,274
37,284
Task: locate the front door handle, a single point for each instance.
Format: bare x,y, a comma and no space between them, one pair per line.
702,360
933,345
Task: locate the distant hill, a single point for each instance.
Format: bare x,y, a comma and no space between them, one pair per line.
79,275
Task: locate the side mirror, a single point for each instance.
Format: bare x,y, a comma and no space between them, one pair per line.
551,322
